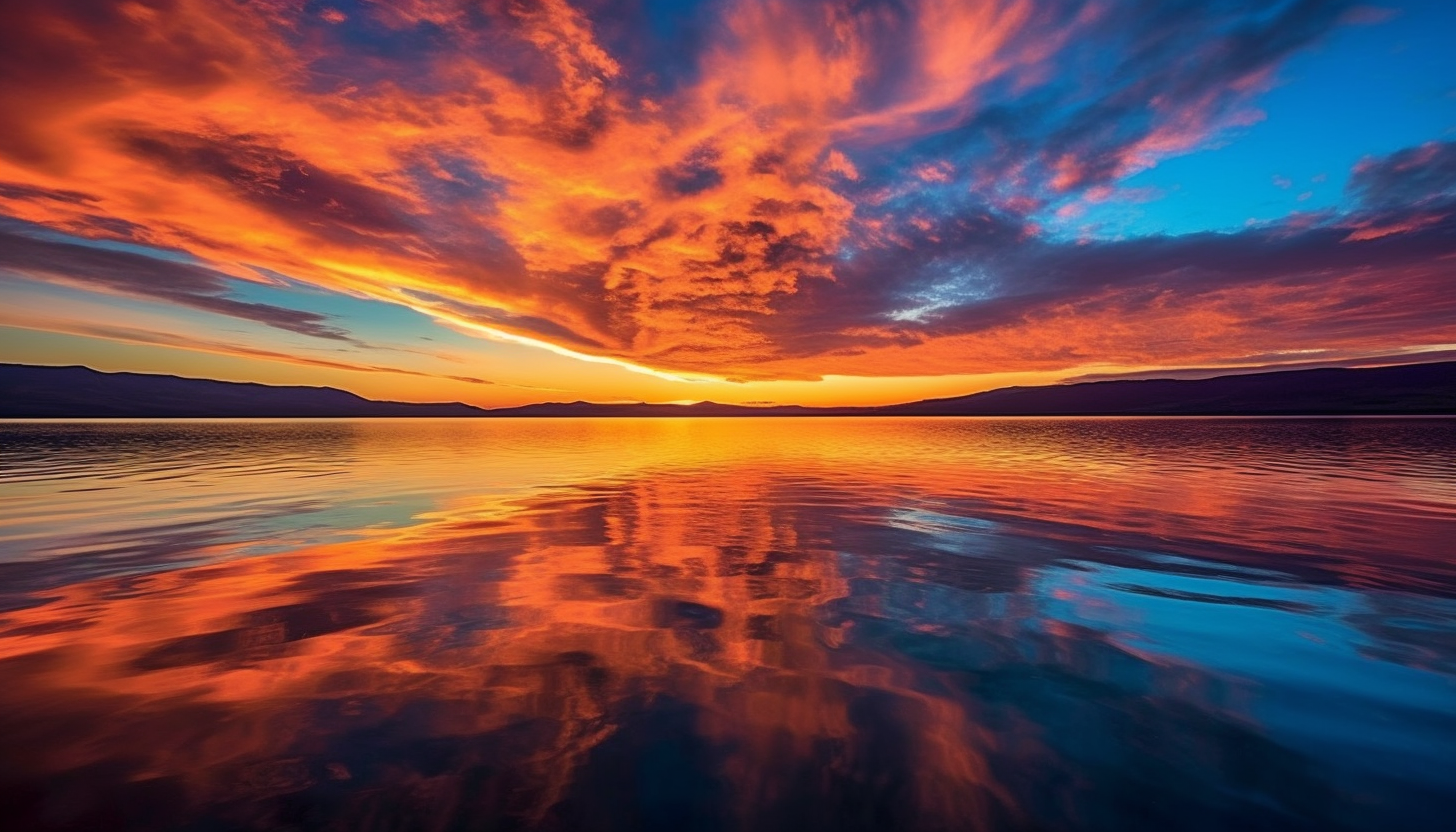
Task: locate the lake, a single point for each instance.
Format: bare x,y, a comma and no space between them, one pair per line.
715,624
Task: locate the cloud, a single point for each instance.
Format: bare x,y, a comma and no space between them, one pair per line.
982,291
64,57
133,335
693,175
137,275
746,188
271,179
1411,177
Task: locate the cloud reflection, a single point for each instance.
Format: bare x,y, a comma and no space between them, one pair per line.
719,638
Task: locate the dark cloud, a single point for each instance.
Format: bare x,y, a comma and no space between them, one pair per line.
1050,273
610,219
1413,176
273,179
130,273
19,191
744,247
693,175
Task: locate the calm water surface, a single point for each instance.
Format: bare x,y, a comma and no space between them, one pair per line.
767,624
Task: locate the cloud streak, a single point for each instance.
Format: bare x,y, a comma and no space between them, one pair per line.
143,337
139,275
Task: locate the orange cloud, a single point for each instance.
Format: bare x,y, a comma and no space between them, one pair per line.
516,170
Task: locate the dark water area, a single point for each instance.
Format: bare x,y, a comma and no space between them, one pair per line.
767,624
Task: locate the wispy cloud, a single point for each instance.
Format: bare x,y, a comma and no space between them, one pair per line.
130,273
134,335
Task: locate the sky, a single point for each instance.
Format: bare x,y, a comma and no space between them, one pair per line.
750,201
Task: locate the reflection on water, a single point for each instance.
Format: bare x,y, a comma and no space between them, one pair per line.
729,624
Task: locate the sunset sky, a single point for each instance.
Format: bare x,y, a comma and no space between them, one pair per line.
785,201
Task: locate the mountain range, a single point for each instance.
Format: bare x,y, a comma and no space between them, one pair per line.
28,392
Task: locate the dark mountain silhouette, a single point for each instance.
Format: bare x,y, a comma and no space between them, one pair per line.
28,392
1429,389
1404,389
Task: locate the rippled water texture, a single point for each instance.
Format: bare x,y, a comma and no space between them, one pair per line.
729,624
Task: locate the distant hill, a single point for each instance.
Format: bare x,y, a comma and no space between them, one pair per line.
1409,389
28,392
1404,389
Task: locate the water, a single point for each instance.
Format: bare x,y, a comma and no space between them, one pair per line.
878,624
